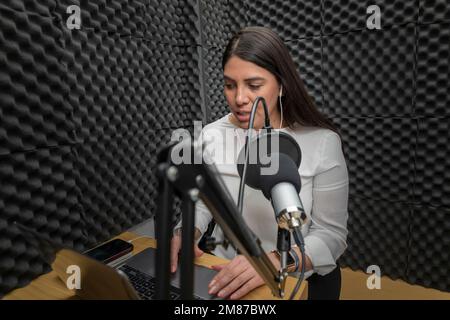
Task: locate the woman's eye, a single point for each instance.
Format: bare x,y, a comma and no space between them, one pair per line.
229,86
254,87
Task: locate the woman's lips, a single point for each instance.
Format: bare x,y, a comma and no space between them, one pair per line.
243,116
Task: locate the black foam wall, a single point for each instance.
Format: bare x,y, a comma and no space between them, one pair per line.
83,115
84,112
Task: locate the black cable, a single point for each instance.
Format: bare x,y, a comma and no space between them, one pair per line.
250,128
298,237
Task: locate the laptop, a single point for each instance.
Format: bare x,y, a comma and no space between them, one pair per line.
133,279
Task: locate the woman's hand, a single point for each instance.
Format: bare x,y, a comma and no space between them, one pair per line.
175,246
237,278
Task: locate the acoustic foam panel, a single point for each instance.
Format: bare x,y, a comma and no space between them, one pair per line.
20,262
433,70
38,190
170,21
307,54
237,15
346,15
378,233
109,16
175,92
189,24
117,181
192,84
163,24
122,84
124,90
173,21
432,179
34,110
434,11
214,22
216,104
380,156
220,20
289,19
42,8
429,251
217,32
369,73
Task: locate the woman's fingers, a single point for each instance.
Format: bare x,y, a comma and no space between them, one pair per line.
175,245
250,285
228,273
197,251
236,283
218,267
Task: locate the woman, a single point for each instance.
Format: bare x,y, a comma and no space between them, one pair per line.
257,63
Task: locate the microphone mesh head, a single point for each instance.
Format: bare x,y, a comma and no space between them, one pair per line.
287,172
286,145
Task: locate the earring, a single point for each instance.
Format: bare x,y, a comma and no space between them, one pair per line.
281,107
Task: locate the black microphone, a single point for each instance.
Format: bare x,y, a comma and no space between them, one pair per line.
281,187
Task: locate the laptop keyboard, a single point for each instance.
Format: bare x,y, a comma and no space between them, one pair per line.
145,284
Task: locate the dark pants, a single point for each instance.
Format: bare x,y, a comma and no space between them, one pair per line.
327,287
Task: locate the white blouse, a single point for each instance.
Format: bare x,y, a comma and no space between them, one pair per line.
324,192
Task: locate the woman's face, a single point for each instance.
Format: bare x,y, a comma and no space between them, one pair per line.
244,81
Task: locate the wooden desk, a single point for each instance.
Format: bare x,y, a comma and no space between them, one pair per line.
50,287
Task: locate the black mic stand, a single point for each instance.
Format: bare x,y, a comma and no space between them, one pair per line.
283,246
169,174
187,237
163,229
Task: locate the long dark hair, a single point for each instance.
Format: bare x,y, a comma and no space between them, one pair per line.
265,48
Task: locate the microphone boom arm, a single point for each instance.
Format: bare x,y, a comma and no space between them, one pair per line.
204,180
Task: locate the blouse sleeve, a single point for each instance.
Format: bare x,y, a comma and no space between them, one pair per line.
202,216
327,236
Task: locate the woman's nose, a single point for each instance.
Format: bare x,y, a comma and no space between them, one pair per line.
241,97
